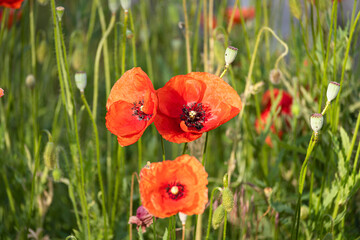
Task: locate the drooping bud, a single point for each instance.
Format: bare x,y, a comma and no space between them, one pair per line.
113,5
230,55
30,81
80,80
50,155
332,91
56,173
275,76
60,12
218,216
125,4
316,122
227,199
182,217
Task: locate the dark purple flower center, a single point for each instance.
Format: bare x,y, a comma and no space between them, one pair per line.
138,111
175,190
194,115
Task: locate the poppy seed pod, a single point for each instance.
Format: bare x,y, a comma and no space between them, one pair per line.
316,122
182,217
227,199
218,217
275,76
80,80
113,5
332,91
60,12
230,55
125,4
50,155
30,81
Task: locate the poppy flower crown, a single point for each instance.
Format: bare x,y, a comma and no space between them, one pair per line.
186,107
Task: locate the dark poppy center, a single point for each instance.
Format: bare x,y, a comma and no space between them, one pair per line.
175,190
138,111
194,115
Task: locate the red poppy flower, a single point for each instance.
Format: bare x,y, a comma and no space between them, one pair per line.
11,3
248,13
285,102
12,17
131,106
170,187
1,92
192,104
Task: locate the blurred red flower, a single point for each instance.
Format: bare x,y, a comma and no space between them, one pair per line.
1,92
12,16
192,104
11,3
285,105
170,187
131,106
247,13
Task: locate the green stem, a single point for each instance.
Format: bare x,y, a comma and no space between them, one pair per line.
353,140
139,155
187,41
162,148
98,162
97,62
4,18
123,45
32,37
225,223
133,39
210,212
92,20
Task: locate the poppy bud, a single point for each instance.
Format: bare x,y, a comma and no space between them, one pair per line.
43,2
332,91
50,155
30,81
304,212
41,51
60,12
80,80
56,173
227,199
275,76
218,216
182,217
316,122
125,4
113,5
230,55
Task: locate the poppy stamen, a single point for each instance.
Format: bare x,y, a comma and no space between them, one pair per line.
194,115
175,191
138,111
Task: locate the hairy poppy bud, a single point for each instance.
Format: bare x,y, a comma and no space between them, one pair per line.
56,173
113,5
125,4
230,55
60,12
182,217
316,122
41,51
218,216
30,81
50,155
227,199
332,91
80,80
275,76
